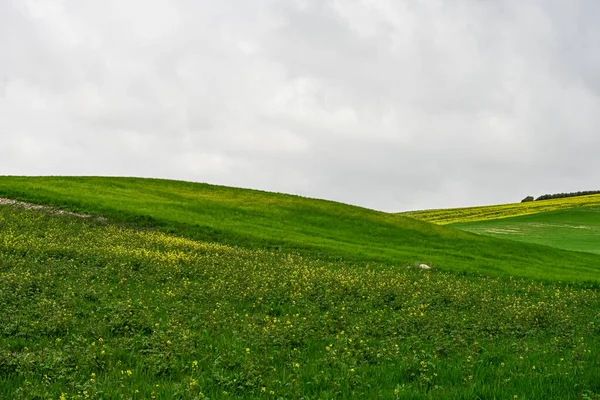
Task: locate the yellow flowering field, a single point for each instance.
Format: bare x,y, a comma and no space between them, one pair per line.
483,213
92,310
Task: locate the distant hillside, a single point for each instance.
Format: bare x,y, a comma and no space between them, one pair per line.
291,224
576,228
483,213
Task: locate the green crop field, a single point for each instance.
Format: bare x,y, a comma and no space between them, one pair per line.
571,223
572,229
175,290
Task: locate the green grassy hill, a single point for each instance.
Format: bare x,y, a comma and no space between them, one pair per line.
319,229
95,310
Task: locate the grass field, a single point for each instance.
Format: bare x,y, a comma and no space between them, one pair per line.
319,229
485,213
93,310
190,291
572,229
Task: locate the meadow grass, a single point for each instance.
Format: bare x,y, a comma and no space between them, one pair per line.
94,310
484,213
313,228
572,229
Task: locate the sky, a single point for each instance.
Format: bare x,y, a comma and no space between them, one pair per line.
389,104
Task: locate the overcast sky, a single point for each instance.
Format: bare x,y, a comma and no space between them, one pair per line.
389,104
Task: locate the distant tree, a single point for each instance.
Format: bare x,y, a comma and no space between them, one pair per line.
526,199
563,195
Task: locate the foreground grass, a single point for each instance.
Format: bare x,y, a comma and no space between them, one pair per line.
291,224
572,229
485,213
91,310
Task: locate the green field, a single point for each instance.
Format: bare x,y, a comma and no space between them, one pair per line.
572,229
193,291
571,223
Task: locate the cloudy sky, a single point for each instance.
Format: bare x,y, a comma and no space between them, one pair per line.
389,104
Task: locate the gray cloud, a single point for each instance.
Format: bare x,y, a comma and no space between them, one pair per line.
393,105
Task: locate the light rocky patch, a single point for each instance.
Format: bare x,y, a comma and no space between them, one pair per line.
51,210
502,231
561,226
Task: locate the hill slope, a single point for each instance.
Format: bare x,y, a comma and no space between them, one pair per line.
316,228
94,310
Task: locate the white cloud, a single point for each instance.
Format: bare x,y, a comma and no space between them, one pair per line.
388,104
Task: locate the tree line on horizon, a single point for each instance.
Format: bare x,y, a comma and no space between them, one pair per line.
560,195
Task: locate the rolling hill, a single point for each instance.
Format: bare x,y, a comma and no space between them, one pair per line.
153,289
327,230
113,306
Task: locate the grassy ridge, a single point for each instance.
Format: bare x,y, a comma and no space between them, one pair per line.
319,229
572,229
94,310
484,213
